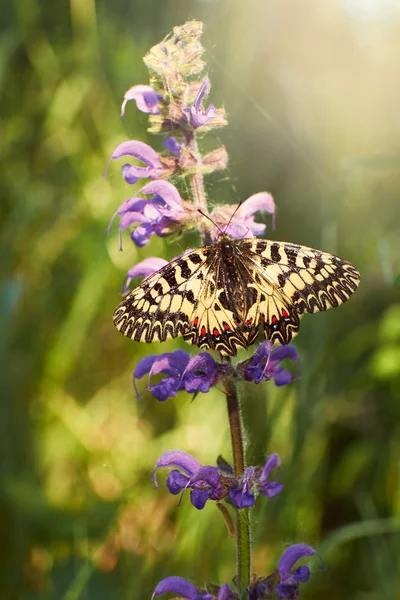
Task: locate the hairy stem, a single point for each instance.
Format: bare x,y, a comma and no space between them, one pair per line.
197,187
243,539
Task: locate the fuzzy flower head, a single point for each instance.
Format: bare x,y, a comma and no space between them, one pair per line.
176,66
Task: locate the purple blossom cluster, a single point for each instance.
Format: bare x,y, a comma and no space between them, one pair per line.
216,483
284,583
176,104
201,372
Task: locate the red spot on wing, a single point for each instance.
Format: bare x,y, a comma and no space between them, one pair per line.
196,321
248,322
215,332
226,327
274,319
203,331
284,313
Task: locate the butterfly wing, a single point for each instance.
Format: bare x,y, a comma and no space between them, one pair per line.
220,305
182,298
311,280
266,305
160,307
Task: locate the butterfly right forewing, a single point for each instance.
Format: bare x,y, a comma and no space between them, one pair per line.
312,280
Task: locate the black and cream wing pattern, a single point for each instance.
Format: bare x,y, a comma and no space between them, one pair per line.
221,295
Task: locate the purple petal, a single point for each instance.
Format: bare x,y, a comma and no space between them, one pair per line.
173,145
260,201
199,498
139,150
144,366
132,173
141,235
196,115
241,499
199,117
200,374
176,482
167,388
171,363
287,590
273,462
282,352
145,97
203,91
208,474
132,217
236,229
176,458
225,593
291,556
301,574
133,204
144,268
272,489
282,377
167,191
177,585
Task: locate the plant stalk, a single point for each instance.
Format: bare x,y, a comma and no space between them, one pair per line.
243,534
243,538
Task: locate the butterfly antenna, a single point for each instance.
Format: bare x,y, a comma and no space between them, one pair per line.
210,219
232,215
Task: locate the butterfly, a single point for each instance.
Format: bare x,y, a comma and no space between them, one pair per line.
219,296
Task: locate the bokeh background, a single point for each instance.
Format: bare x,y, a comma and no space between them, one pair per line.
312,91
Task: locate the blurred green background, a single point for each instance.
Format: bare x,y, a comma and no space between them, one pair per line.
312,91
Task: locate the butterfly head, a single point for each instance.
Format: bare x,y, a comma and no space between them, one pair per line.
227,246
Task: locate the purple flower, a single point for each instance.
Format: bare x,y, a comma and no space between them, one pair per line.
204,482
212,483
256,479
142,269
154,169
146,99
269,488
173,146
182,372
178,585
242,222
157,216
265,364
195,114
291,578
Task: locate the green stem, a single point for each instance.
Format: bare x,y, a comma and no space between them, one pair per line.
243,539
243,535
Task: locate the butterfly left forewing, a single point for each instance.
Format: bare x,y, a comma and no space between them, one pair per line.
160,307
